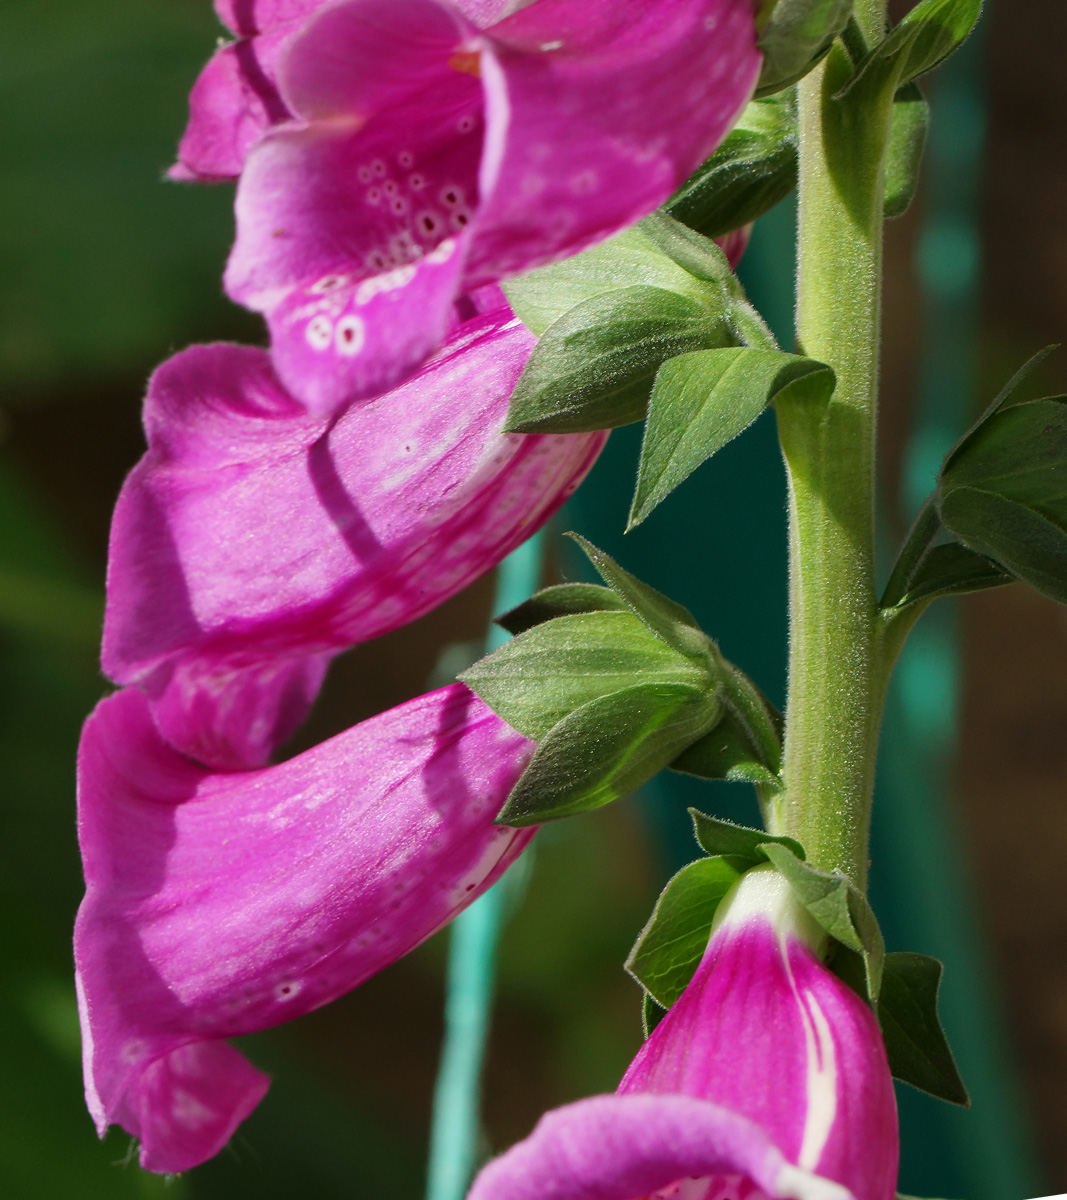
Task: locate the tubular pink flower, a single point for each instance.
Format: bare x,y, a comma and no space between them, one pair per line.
768,1077
427,157
253,541
221,904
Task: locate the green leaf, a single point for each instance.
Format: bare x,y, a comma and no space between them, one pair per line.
703,400
606,749
797,35
952,570
561,600
738,842
593,367
929,33
544,674
669,621
541,297
915,1042
726,753
670,947
908,121
839,907
925,570
1017,537
753,169
1003,491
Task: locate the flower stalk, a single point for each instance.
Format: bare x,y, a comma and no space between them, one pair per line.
836,682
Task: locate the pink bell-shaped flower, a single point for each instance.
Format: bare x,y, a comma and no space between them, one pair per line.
221,904
253,541
415,150
767,1078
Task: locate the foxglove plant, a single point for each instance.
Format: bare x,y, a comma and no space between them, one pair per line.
396,159
412,151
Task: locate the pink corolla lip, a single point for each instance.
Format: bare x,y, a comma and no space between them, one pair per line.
253,541
427,157
765,1048
221,904
648,1148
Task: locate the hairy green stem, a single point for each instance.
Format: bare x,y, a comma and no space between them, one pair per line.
836,674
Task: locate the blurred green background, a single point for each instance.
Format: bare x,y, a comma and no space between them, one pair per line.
104,270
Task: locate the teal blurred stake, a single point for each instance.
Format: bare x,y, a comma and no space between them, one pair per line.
473,940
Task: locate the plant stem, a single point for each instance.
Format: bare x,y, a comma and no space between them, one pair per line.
836,682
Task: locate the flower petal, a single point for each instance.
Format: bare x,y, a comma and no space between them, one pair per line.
236,97
249,17
185,1106
766,1030
233,717
623,1147
596,111
234,100
220,904
387,512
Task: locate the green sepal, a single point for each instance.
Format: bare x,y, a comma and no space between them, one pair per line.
915,1042
737,842
540,677
795,37
727,753
594,366
672,943
839,907
703,260
704,399
607,748
925,570
926,36
543,296
670,622
560,600
909,119
651,1014
753,169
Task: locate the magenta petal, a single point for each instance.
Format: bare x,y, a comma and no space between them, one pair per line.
220,904
596,111
358,58
627,1147
232,102
735,243
234,717
387,511
185,1106
249,17
356,338
236,97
